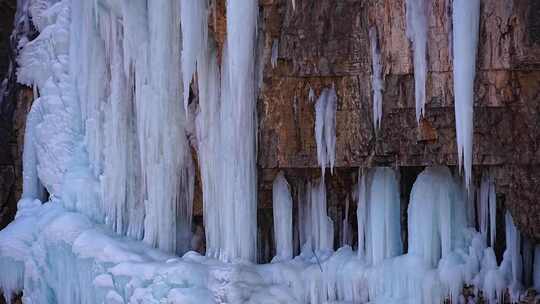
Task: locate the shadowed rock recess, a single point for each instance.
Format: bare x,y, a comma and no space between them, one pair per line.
305,48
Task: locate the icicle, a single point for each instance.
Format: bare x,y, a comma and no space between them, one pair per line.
311,94
346,236
376,78
417,33
487,208
275,50
465,19
194,39
282,209
325,128
208,133
32,188
361,213
512,263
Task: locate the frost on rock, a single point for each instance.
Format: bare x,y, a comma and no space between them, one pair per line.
325,128
417,32
376,78
465,19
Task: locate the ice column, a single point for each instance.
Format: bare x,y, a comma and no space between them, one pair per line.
465,18
282,208
376,78
436,215
487,208
238,173
379,215
194,22
417,33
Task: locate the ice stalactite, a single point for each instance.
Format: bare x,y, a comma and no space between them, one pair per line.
436,215
316,227
275,53
379,215
346,233
282,210
512,261
325,128
465,20
376,77
417,32
194,23
487,206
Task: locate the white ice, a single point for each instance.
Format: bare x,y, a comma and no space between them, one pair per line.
417,28
376,77
465,20
325,128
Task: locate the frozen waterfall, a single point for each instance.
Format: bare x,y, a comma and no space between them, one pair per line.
110,141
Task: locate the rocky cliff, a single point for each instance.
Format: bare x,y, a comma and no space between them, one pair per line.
326,43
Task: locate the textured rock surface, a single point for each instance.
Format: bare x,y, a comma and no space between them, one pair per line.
10,172
325,43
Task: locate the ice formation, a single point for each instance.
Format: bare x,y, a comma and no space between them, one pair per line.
325,128
465,20
376,78
275,50
378,213
315,226
194,24
487,206
417,32
282,209
107,138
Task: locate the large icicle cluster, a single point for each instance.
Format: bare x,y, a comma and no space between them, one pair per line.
126,65
466,21
226,126
417,32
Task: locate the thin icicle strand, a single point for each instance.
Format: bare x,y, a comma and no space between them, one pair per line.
376,78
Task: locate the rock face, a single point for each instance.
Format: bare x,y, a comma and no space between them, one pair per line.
12,120
326,43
